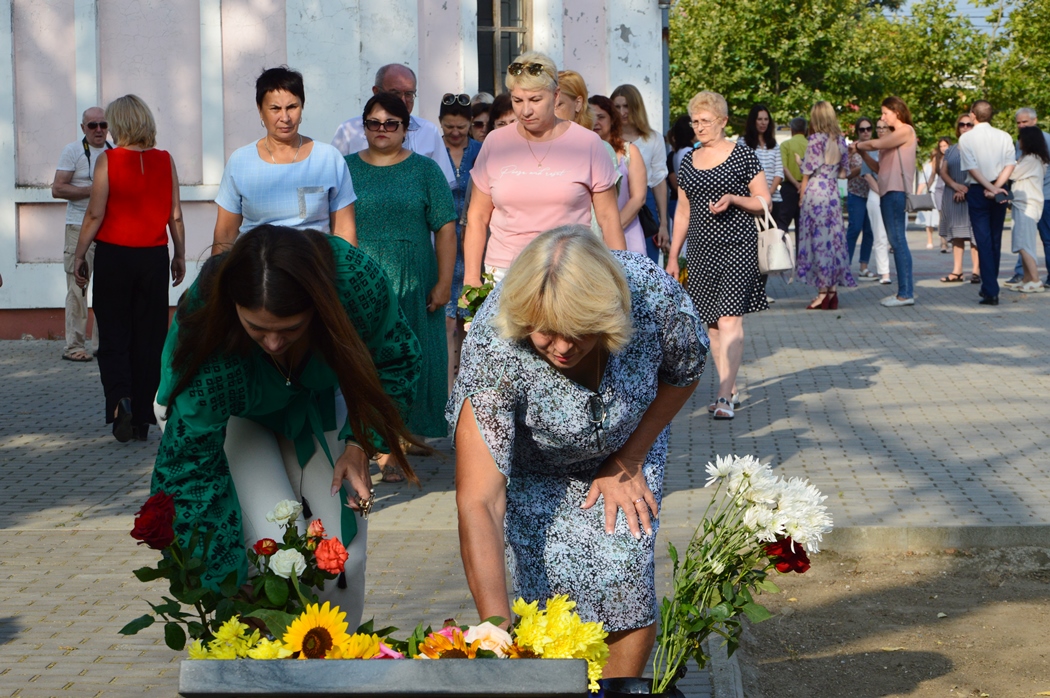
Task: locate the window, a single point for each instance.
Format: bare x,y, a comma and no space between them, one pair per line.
502,37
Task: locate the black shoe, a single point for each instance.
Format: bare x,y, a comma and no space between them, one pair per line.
142,432
122,427
989,300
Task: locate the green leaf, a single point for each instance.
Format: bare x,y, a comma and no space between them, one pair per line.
229,586
495,620
140,623
277,622
276,591
167,608
192,596
756,613
767,586
722,611
148,574
366,627
174,636
195,629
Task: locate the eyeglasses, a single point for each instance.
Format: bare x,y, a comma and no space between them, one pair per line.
598,413
449,99
479,123
388,126
864,129
407,94
965,124
704,123
533,69
92,125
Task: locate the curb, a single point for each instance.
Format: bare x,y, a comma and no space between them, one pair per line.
724,671
861,539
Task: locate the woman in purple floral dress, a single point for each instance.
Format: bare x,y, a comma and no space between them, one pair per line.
823,260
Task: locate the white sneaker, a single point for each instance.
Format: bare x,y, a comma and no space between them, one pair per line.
1014,282
885,280
1031,287
894,302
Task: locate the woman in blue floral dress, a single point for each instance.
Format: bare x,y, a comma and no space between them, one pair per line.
572,372
823,259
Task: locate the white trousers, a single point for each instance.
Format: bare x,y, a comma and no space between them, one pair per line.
881,247
265,470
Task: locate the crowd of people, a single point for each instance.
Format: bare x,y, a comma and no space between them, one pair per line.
325,331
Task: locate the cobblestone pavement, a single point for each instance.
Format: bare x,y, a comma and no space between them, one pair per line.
930,415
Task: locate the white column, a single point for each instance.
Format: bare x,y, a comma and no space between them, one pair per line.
547,29
212,128
11,297
85,29
324,44
636,52
389,34
468,44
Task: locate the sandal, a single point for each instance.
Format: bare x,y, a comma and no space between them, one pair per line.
78,355
391,474
723,410
952,278
735,399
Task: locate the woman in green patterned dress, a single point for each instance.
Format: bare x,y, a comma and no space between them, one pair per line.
401,198
248,400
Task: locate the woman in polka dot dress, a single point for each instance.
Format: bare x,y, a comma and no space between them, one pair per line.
723,185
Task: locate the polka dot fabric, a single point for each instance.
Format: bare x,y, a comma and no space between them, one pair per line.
723,249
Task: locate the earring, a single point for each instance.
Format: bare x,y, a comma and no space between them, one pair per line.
262,123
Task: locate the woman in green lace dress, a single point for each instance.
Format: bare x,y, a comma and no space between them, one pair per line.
401,198
248,403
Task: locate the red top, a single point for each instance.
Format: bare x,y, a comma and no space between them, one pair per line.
139,203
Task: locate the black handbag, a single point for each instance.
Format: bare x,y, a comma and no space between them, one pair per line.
650,225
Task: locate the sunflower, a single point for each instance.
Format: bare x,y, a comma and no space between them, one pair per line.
516,651
316,632
438,646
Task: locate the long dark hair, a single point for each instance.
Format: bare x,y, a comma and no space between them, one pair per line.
616,125
751,132
896,105
682,135
286,272
1031,140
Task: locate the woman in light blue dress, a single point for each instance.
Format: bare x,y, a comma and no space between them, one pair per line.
571,374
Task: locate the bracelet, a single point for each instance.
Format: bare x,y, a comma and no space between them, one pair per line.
351,442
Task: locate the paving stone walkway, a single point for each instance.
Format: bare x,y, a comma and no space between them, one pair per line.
934,415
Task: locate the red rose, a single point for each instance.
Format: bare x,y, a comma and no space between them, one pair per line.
331,556
788,556
266,546
153,522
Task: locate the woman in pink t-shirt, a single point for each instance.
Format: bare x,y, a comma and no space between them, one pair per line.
542,173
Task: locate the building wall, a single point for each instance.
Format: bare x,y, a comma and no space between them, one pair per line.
195,64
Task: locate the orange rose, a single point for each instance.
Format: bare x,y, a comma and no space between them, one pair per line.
331,556
315,529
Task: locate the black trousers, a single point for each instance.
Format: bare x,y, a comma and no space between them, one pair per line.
131,308
788,210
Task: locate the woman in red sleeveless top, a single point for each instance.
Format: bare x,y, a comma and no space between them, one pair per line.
134,197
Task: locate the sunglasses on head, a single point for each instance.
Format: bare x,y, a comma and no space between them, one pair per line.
388,126
449,99
92,125
533,69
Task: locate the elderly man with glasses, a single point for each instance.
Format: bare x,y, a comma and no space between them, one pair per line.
422,136
76,165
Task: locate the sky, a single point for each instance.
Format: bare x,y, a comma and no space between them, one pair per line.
977,15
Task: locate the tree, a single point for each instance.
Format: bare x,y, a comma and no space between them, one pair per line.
1019,62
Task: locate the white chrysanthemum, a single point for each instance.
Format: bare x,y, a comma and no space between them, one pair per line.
721,468
762,521
746,471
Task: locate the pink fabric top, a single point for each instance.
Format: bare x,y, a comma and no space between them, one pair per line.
891,164
530,198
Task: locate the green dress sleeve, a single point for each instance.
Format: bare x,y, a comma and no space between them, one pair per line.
375,313
191,463
441,206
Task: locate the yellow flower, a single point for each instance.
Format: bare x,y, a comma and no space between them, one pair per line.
359,646
559,633
197,650
316,632
269,650
221,650
231,630
231,638
438,646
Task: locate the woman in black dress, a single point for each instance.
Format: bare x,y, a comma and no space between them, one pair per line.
724,187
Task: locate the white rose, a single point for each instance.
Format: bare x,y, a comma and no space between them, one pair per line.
284,563
493,638
286,512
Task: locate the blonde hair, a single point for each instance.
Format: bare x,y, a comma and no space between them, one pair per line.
566,282
131,122
547,80
572,86
823,119
709,101
637,116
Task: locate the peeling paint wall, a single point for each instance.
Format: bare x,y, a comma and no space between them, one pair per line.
166,52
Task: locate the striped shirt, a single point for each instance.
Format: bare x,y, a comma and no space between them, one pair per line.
773,166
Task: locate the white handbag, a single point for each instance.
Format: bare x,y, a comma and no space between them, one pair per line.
776,252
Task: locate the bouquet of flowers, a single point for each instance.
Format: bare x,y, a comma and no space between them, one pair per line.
471,297
282,587
756,522
321,633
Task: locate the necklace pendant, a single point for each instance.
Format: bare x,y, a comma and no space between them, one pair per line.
288,383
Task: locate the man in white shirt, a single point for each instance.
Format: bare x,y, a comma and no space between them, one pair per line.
987,155
422,137
76,167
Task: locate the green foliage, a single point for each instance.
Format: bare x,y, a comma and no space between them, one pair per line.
471,297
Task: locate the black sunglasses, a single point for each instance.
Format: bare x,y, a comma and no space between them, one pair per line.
864,129
965,124
479,124
533,69
92,125
388,126
449,99
598,413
